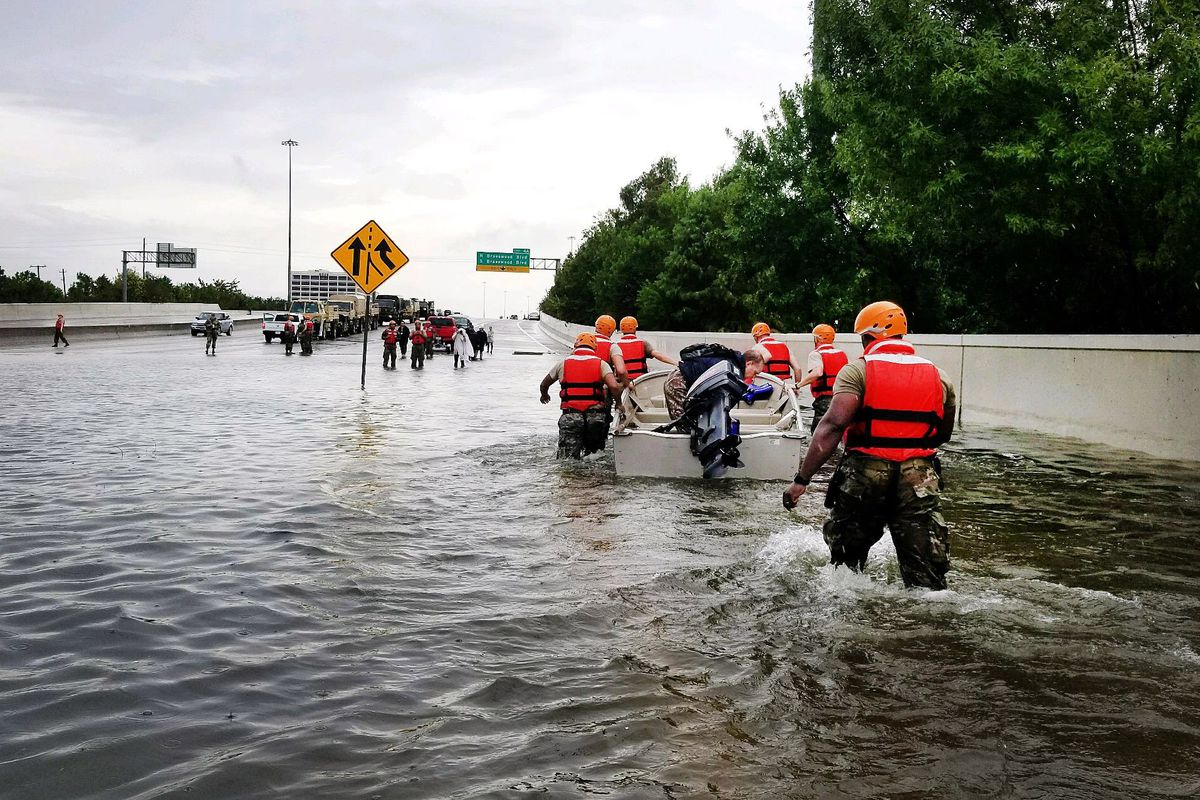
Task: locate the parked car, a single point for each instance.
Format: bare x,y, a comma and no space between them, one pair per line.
223,319
463,321
533,315
272,325
513,316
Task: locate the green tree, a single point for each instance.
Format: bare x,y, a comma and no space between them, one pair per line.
26,287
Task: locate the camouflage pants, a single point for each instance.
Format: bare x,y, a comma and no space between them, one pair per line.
865,494
582,432
674,394
820,406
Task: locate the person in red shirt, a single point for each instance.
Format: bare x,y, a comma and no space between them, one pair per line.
59,324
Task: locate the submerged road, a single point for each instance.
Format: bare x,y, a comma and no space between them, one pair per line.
244,577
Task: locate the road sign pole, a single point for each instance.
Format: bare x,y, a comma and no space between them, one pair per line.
366,332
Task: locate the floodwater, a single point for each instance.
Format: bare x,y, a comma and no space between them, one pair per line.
244,577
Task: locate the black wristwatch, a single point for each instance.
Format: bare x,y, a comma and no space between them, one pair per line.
801,481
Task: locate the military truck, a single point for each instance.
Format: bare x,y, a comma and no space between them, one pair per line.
351,311
323,316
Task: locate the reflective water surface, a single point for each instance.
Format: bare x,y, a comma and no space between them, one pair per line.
244,577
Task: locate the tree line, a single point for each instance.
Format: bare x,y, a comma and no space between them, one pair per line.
25,287
994,166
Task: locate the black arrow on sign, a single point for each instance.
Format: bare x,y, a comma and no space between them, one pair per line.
357,246
383,250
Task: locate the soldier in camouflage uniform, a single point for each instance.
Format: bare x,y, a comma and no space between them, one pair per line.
306,337
585,383
211,329
895,408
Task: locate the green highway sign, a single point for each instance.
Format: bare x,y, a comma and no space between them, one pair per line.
516,261
517,258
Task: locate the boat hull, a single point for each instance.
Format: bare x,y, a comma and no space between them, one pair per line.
767,456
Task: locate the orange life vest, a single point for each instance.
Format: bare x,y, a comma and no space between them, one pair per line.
417,338
582,384
390,336
832,361
902,406
779,363
603,346
633,350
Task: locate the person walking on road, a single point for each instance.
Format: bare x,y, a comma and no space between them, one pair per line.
288,336
306,338
460,346
59,324
402,338
212,329
823,365
428,331
490,339
583,380
478,337
895,408
390,339
418,347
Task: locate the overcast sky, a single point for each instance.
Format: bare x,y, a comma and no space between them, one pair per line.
458,126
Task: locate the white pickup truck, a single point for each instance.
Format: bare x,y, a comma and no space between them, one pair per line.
272,324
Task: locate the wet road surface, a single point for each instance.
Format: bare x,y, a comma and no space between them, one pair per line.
244,577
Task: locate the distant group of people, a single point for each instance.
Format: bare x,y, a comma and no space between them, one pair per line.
890,410
468,344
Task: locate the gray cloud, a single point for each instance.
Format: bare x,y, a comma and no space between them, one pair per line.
466,125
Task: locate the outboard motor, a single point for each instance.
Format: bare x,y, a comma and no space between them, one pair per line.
710,397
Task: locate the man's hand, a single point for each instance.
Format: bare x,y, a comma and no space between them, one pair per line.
545,398
792,495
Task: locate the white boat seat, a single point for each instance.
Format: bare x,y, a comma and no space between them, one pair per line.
658,401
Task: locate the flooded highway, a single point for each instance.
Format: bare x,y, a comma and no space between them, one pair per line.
244,577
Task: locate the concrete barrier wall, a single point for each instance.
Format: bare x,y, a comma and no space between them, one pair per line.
42,315
1134,392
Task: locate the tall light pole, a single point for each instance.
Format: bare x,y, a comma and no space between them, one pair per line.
572,238
289,144
485,299
504,308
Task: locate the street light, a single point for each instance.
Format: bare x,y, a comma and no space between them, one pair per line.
485,299
289,144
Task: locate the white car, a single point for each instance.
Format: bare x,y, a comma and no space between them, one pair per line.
223,319
273,323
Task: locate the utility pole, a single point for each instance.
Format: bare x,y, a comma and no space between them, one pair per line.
143,258
572,238
39,268
64,281
289,144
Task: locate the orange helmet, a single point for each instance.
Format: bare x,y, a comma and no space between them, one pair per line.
605,325
881,320
824,334
760,329
586,339
628,324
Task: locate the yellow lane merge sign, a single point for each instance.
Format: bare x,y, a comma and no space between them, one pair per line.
370,257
